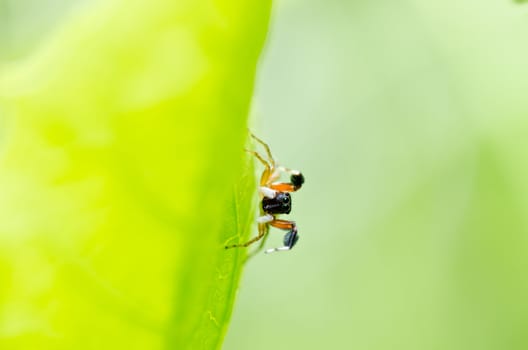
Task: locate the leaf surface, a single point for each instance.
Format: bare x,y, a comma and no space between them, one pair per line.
122,176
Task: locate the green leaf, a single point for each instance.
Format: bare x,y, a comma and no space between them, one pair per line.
122,176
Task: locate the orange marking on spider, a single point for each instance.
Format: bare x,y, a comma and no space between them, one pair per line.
283,187
283,224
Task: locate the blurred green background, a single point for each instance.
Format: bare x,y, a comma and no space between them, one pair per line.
409,120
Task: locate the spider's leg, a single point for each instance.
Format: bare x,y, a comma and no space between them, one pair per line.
267,192
267,148
285,225
296,181
268,169
262,228
291,237
265,228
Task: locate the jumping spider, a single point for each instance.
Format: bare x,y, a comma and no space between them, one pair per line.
275,199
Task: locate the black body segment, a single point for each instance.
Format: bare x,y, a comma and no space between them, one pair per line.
297,180
281,204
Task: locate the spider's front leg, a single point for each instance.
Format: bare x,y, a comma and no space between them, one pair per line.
296,181
291,237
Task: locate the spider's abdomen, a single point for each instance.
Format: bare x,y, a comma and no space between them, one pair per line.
281,204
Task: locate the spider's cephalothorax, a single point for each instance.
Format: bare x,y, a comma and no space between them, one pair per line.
275,199
280,204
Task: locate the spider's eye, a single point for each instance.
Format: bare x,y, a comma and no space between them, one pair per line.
286,199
